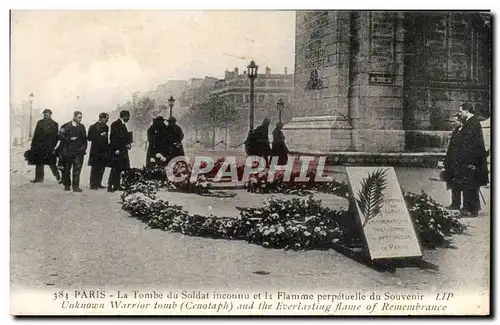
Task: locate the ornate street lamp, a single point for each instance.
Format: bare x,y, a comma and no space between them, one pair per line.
171,102
252,74
30,100
279,106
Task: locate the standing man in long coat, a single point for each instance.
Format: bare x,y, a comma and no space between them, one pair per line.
99,150
279,148
157,140
74,138
174,139
43,146
470,160
450,167
120,142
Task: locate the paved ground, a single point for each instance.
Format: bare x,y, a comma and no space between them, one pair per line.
64,239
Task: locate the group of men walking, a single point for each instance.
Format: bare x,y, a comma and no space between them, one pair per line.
64,149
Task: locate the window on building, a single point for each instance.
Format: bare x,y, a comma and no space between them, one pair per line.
247,98
239,98
262,98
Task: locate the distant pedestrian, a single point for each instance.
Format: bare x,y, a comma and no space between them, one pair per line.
74,138
174,139
450,167
43,146
99,150
157,141
279,148
120,142
470,168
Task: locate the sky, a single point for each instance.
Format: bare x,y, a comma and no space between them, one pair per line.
104,56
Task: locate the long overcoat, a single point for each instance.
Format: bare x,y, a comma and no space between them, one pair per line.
157,141
468,164
279,148
259,142
119,139
43,143
99,147
174,141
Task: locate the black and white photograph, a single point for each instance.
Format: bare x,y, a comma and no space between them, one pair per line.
318,162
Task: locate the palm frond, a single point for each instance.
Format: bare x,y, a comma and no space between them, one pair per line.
371,195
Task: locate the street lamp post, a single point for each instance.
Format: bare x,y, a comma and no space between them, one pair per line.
30,100
171,102
280,105
252,74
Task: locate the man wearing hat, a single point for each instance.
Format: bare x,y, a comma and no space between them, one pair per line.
43,145
174,139
157,140
74,146
99,150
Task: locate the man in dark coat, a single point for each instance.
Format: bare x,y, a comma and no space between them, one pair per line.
279,148
450,167
257,142
74,146
157,141
43,146
120,142
471,169
174,139
99,150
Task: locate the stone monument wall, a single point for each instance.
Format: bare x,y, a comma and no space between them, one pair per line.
364,78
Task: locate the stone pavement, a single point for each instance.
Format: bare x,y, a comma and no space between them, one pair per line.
64,239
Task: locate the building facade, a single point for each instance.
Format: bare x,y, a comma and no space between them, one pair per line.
197,91
371,81
269,89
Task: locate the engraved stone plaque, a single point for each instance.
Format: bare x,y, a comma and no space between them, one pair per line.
386,223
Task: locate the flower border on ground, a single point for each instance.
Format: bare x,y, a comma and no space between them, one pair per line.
297,224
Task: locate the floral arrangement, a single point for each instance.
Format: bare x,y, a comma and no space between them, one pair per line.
199,186
240,168
434,223
296,224
259,183
158,174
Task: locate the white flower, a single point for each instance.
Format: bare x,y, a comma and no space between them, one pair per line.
281,230
158,155
163,159
307,233
317,229
152,160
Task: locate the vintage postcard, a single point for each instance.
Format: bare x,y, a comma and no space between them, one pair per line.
319,163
